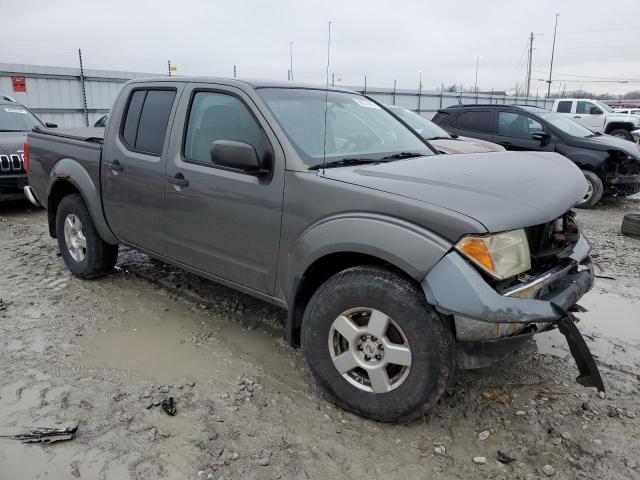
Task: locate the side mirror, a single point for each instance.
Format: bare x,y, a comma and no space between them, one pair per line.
51,125
453,135
542,137
236,155
594,111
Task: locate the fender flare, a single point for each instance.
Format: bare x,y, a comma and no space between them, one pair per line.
69,170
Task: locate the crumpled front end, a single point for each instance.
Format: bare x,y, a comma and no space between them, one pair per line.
491,317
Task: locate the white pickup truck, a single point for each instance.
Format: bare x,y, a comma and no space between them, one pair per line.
599,117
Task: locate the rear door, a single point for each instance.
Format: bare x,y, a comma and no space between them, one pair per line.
220,221
133,164
475,123
515,132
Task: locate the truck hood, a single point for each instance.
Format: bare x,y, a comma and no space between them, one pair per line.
605,143
502,190
623,117
11,152
464,145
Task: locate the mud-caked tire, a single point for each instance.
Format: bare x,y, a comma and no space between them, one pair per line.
83,251
595,192
631,225
371,322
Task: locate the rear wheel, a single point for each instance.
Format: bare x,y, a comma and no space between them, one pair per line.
375,345
622,133
83,251
594,192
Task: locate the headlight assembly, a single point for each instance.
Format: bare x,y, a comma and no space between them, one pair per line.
502,255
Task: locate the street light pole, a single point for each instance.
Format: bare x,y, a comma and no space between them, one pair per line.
553,49
291,59
477,59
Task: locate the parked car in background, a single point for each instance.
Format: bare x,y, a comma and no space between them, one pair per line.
626,111
610,164
396,264
15,121
442,140
599,117
102,121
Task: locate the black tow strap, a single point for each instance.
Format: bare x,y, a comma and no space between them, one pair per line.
589,373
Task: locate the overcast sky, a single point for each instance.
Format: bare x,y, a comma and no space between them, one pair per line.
384,40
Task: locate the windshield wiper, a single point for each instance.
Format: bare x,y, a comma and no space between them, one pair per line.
7,130
401,155
343,162
440,138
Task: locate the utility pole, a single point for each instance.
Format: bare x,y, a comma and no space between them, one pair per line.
84,91
529,63
235,72
553,49
333,79
169,66
291,60
477,59
419,91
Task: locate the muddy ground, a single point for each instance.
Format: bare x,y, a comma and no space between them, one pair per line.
103,353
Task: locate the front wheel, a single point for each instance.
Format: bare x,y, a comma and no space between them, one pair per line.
622,133
375,345
83,251
595,190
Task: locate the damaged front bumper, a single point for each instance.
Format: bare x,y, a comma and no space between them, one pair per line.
495,322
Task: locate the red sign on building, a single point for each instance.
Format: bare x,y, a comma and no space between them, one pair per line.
19,84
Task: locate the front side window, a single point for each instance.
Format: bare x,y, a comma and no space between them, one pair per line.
564,106
584,108
17,118
476,121
145,124
356,127
515,125
218,116
564,124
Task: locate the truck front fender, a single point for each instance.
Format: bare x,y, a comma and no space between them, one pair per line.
70,171
408,247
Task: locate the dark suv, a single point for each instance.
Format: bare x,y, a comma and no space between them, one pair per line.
15,121
610,165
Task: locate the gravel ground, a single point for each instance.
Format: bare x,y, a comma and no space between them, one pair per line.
105,353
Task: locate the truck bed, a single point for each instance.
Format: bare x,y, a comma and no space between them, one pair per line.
91,134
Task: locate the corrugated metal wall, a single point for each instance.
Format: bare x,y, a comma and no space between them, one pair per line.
55,93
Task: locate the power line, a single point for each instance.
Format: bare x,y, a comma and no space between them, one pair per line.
591,76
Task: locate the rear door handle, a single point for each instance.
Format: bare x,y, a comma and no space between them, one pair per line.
178,180
115,166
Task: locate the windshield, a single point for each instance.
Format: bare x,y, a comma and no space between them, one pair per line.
605,107
565,124
17,118
424,127
356,128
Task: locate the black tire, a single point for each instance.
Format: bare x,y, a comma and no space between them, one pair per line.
596,190
99,256
430,342
631,225
622,133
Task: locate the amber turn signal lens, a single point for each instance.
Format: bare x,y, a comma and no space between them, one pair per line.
477,249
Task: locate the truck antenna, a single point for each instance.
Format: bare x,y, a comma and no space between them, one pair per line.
326,101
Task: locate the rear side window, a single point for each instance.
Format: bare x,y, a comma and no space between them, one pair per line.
564,106
476,121
145,124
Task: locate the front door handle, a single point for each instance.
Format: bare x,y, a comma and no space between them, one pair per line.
115,166
577,116
178,180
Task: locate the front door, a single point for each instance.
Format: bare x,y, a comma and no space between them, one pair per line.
133,165
221,221
515,132
589,115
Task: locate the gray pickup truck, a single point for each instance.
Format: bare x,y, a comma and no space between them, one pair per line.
396,264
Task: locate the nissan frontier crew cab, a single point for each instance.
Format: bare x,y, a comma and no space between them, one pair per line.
396,264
